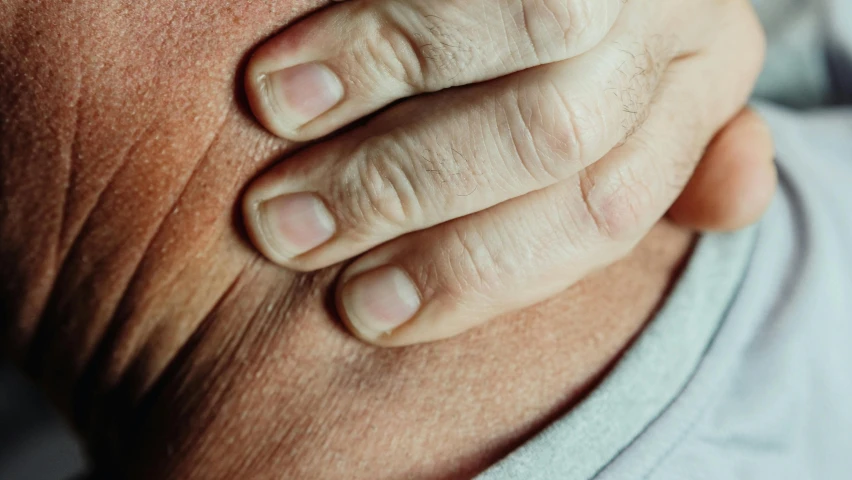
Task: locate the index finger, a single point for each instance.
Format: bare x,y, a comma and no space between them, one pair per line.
354,58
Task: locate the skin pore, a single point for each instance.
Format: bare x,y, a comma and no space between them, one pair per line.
137,303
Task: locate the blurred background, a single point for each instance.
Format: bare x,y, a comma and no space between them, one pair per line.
34,443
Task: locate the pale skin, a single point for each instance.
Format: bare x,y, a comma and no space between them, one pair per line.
579,126
130,294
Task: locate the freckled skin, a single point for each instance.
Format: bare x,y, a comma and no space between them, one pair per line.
129,293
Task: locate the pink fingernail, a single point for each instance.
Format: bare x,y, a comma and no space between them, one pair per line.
304,92
381,300
296,223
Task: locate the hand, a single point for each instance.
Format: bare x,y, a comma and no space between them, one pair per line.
581,124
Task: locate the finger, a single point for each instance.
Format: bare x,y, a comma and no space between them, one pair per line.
352,59
458,152
443,281
735,181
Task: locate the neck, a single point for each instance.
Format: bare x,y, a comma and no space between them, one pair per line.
461,404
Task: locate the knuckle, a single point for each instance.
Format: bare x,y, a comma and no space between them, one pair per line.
426,57
577,129
386,190
401,180
578,21
394,53
565,134
557,29
618,207
567,137
474,265
375,190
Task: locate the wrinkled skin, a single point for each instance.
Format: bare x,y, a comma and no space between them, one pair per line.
130,294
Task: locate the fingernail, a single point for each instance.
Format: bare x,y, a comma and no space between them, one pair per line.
296,223
381,300
304,92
